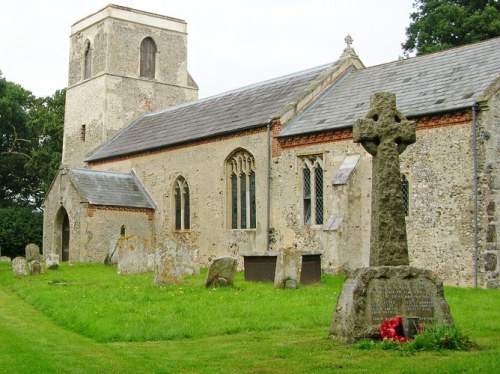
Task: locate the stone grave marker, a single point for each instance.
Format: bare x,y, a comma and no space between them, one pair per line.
173,261
52,261
5,259
19,267
32,252
35,267
221,272
389,287
132,255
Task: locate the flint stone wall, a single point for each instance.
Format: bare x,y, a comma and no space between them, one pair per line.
372,295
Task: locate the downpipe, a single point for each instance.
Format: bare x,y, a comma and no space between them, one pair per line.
475,109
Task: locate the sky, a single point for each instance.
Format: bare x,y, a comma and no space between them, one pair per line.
231,43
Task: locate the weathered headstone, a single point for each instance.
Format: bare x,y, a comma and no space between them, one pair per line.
19,267
132,255
5,259
35,267
32,252
389,287
52,261
221,272
173,261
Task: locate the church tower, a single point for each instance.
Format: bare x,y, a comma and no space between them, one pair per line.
122,62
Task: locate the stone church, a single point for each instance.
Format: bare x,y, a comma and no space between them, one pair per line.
269,169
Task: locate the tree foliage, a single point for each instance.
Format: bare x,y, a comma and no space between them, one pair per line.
441,24
31,131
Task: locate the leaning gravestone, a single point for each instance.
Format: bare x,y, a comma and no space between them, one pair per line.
221,272
52,261
389,287
19,267
32,252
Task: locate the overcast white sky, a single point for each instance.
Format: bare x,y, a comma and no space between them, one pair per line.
231,43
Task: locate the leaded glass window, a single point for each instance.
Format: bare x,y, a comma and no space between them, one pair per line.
182,208
241,172
312,178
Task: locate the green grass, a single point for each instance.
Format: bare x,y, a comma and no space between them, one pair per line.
88,319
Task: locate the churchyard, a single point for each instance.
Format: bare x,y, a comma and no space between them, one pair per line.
86,318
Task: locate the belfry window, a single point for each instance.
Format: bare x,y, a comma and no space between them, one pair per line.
148,58
87,61
182,213
312,178
405,189
241,174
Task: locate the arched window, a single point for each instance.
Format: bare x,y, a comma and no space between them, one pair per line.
241,174
87,61
312,176
148,58
122,230
181,195
405,189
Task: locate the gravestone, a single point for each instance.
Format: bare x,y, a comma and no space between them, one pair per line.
19,267
173,261
389,287
221,272
5,259
35,267
132,255
52,261
32,252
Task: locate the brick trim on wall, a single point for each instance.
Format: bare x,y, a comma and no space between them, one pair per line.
91,209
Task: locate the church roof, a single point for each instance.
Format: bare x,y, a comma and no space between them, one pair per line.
439,82
111,189
242,109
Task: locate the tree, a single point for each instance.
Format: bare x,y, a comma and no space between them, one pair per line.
19,227
441,24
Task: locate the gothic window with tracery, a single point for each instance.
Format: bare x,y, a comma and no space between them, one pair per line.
87,61
148,58
181,196
312,177
241,174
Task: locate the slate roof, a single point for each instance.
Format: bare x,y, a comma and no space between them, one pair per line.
111,189
237,110
434,83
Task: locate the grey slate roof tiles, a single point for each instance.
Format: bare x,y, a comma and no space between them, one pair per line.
237,110
433,83
111,189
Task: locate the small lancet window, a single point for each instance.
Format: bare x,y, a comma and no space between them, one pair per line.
405,189
122,230
241,175
148,58
312,178
182,208
83,132
87,58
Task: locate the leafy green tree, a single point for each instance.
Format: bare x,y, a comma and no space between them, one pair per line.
19,227
441,24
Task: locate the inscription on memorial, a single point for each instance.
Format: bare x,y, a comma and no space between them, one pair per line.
388,298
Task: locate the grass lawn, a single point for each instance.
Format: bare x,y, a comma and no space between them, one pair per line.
88,319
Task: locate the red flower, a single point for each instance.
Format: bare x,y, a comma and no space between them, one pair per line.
392,329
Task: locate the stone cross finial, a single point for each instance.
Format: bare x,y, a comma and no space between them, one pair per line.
385,133
348,40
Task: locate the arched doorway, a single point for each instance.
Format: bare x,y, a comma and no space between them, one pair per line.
65,238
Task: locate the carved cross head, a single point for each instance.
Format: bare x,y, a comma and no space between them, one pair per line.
384,127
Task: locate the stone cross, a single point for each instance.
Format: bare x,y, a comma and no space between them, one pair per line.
348,40
385,133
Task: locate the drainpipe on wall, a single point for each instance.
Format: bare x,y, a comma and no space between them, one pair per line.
268,197
475,109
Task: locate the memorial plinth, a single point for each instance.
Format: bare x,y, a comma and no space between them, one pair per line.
375,294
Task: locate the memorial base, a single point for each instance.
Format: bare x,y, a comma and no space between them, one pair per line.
373,295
